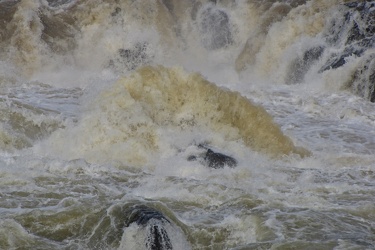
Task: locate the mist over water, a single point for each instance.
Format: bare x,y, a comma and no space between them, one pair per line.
107,110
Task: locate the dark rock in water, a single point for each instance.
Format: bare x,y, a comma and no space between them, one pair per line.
142,214
154,221
132,58
169,5
354,30
338,60
116,12
213,159
215,28
363,82
300,66
192,158
134,223
352,34
360,6
218,160
355,24
158,239
56,3
313,54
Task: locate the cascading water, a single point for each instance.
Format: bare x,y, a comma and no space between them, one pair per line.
195,124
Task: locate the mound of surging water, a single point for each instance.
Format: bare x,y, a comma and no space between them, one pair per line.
132,120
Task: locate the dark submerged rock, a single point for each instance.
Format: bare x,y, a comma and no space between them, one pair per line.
132,57
218,160
192,158
352,35
301,65
157,237
149,225
169,5
338,60
116,12
356,25
215,28
142,214
354,30
135,56
363,82
56,3
212,159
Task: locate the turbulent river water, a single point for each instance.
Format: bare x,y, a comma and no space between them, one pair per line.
108,108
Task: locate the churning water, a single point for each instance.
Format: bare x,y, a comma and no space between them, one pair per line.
108,108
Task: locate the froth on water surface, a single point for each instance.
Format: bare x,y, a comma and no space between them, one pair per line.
101,148
133,120
171,96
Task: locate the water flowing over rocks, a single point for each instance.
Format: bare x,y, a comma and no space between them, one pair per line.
300,66
351,36
361,38
153,221
187,124
138,225
215,28
352,33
